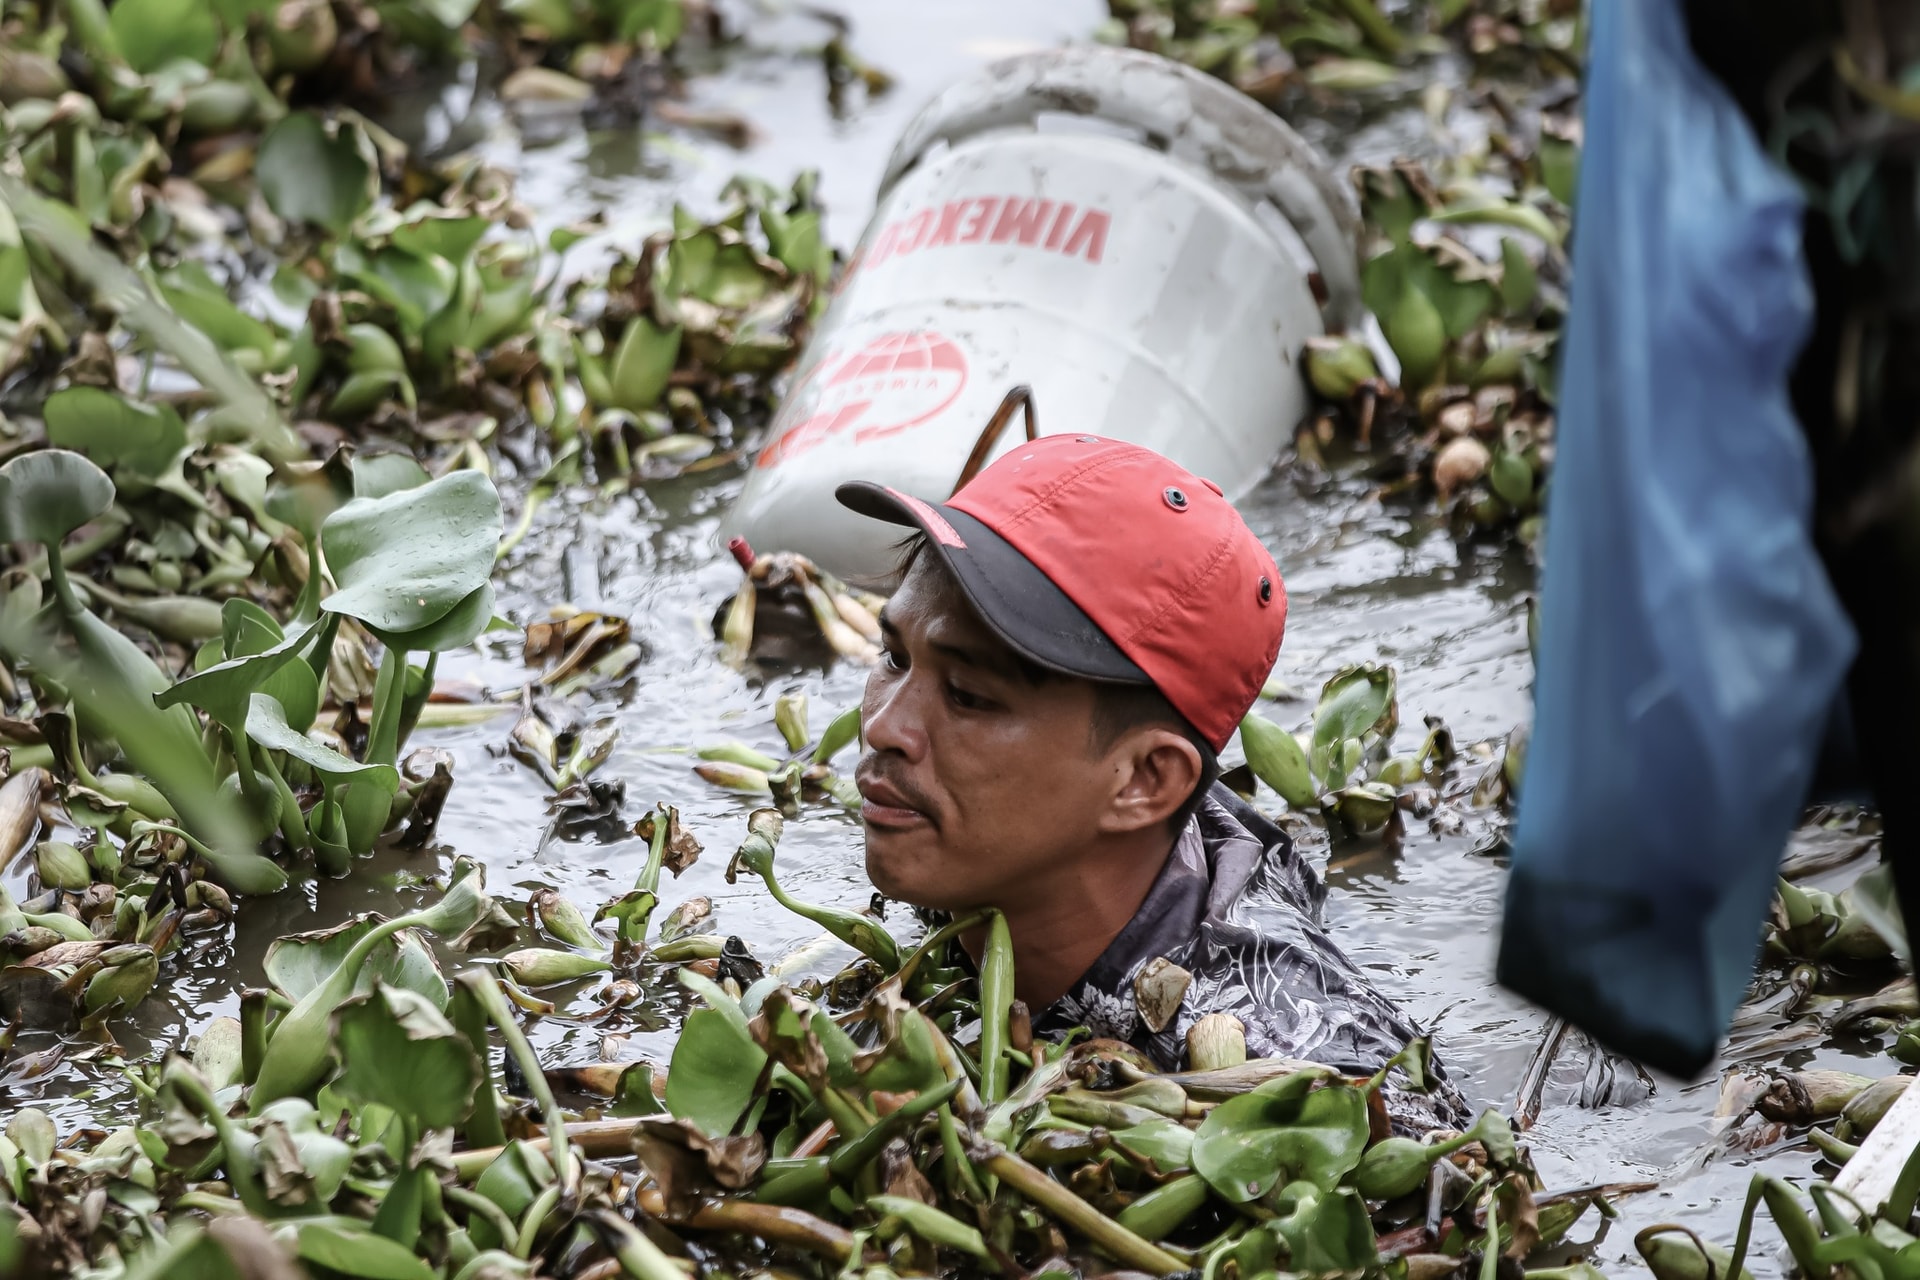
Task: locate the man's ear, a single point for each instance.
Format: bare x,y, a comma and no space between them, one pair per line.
1157,770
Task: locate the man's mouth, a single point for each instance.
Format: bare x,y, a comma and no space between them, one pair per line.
889,807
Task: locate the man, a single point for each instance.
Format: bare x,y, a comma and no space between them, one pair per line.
1075,637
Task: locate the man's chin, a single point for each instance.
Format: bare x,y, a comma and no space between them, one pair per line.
897,865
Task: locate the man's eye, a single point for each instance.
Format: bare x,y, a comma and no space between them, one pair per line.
895,660
967,701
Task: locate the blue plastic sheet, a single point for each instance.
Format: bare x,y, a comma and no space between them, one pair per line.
1690,644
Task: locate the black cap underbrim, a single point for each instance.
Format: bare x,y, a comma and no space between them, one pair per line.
1018,602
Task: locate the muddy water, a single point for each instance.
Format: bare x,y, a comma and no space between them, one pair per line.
1367,584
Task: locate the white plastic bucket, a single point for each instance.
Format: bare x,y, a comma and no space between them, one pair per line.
1149,273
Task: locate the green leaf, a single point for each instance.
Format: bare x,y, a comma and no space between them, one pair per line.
414,286
447,328
112,684
689,261
115,431
1356,702
244,406
152,33
1875,901
297,689
304,498
715,1066
224,691
1284,1129
504,305
48,494
796,240
1276,758
436,236
1519,282
375,475
298,963
662,19
246,628
1559,168
1325,1233
307,176
737,278
642,364
266,722
1168,1143
398,1050
203,304
908,1062
1462,304
349,1246
408,559
458,629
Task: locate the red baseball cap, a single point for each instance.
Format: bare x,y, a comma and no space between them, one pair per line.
1101,559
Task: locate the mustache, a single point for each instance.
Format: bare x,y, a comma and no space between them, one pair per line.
871,770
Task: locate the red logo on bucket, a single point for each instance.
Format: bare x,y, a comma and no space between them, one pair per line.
1057,227
896,381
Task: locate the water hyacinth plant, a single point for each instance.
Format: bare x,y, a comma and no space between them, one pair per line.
413,568
1342,766
838,1124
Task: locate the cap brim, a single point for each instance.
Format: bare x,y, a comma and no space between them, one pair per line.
1016,601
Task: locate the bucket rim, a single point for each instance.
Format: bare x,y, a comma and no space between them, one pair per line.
1184,113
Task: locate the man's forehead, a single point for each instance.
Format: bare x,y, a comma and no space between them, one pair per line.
930,595
929,601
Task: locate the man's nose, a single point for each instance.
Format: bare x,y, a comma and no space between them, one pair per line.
889,718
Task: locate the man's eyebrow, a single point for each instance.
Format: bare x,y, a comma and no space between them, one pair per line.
995,660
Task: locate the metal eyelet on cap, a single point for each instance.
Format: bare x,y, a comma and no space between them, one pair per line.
1266,590
1175,498
1088,440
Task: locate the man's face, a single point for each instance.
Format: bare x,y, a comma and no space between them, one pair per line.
976,781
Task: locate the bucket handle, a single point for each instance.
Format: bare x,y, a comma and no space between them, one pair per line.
1021,397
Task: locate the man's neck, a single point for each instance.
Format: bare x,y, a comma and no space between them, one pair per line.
1064,921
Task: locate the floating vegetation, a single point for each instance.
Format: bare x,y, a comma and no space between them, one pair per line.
352,1119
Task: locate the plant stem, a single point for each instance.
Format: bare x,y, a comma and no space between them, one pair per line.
649,881
241,1174
598,1139
410,707
487,990
776,1223
389,690
536,1215
932,943
639,1257
856,1153
253,1032
112,527
1109,1236
243,759
996,1004
535,500
475,1203
960,1175
483,1127
1380,33
57,579
293,825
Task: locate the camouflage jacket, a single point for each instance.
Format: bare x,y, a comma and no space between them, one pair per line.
1239,909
